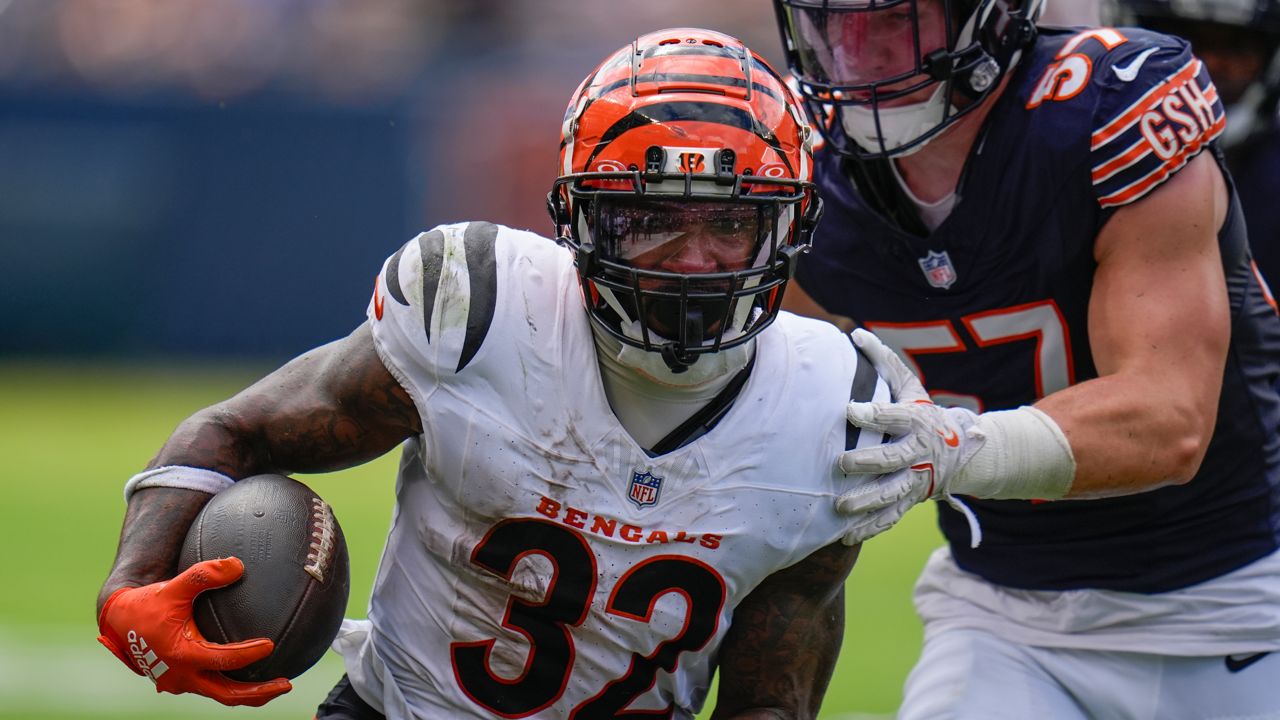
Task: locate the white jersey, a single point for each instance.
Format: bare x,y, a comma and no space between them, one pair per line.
540,563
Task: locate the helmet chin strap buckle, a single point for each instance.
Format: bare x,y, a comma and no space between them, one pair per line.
677,361
586,259
674,354
938,65
976,70
790,257
984,75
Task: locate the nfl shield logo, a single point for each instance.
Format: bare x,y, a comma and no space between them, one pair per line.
938,269
644,489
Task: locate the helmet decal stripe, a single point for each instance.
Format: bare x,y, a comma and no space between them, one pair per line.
686,111
482,271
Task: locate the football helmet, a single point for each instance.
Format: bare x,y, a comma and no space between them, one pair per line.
1239,40
685,193
887,76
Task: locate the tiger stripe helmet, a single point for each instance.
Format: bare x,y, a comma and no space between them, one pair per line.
681,133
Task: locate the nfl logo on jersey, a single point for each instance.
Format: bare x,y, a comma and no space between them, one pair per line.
644,489
938,269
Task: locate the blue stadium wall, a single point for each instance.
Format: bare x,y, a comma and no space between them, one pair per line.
158,228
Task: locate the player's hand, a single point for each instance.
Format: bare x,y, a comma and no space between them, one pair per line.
926,437
930,448
903,384
925,434
153,632
877,503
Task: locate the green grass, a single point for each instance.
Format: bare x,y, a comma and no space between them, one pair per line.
70,435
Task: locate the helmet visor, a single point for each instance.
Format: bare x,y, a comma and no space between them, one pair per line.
683,236
861,43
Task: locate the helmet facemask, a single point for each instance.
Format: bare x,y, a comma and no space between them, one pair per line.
890,75
679,265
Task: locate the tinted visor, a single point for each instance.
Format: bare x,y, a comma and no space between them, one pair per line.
861,43
684,236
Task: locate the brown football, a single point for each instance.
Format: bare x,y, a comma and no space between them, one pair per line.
296,575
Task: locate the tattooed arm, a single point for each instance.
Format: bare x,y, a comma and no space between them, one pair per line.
778,655
331,408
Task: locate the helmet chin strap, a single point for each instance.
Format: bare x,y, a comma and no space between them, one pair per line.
700,370
675,363
898,125
690,331
971,70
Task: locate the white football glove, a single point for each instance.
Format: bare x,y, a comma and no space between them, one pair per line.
877,503
931,448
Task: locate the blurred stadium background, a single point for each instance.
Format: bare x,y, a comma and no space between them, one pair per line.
192,191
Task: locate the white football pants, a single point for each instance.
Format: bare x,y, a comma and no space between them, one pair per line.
974,675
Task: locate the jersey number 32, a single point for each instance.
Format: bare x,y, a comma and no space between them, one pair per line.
567,600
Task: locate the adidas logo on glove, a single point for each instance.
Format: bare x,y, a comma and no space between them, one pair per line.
146,659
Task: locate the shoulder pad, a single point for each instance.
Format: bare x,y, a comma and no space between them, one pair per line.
440,289
1157,109
1152,104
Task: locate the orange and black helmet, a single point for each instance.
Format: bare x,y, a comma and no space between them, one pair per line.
684,137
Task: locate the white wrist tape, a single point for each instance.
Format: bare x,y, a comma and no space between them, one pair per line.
1025,457
178,476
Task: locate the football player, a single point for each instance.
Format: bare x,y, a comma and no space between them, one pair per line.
1037,222
606,489
1240,45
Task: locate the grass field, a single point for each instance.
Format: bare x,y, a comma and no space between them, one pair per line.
71,435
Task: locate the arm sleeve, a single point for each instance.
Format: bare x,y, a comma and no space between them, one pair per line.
433,305
1157,110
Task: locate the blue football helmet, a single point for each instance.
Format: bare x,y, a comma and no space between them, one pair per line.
883,77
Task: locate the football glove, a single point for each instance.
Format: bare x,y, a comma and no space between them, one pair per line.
931,448
876,504
153,632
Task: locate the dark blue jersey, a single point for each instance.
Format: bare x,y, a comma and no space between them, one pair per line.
992,307
1256,169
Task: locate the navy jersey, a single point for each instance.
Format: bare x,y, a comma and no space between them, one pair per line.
1256,170
991,308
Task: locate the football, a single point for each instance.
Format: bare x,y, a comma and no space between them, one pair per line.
296,575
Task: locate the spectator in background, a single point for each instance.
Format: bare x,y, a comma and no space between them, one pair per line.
1038,221
1240,44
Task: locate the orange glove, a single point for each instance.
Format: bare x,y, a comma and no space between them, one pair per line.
152,630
